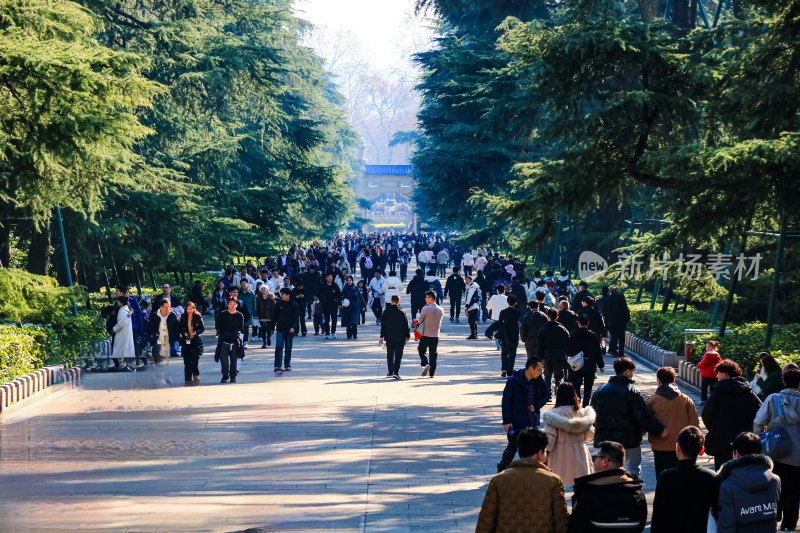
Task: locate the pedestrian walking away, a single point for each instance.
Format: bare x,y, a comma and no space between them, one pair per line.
395,333
430,321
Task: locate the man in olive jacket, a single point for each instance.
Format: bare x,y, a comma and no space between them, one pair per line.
507,504
622,415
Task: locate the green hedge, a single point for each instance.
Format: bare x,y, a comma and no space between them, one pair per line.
742,345
20,353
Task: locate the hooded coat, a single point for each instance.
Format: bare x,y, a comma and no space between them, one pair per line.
673,409
748,495
730,410
622,415
416,288
790,402
567,430
611,500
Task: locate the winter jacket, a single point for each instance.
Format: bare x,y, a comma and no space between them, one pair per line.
496,303
568,319
155,324
748,496
392,287
311,284
248,300
586,341
394,325
507,505
432,283
596,322
552,341
529,331
611,500
622,414
508,324
330,297
416,288
730,410
772,384
287,316
219,301
472,300
708,363
197,326
616,309
684,496
673,409
519,292
455,287
351,314
568,429
790,403
229,325
265,308
515,400
579,297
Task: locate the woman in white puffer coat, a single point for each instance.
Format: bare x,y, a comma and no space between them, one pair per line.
568,427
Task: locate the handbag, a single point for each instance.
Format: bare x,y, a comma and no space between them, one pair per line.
776,440
576,361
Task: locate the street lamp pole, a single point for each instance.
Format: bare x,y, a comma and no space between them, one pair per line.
67,269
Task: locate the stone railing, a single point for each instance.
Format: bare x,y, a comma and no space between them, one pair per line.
689,373
650,352
29,386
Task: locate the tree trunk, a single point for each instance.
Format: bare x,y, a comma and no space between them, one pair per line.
648,9
39,252
681,13
5,245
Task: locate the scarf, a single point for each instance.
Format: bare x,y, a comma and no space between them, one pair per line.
190,324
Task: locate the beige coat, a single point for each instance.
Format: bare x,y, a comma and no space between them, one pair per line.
675,410
567,430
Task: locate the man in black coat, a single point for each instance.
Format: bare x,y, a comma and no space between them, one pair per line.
311,284
417,288
687,492
585,340
616,309
395,333
330,297
508,326
286,316
611,499
455,287
566,316
524,396
582,293
622,415
596,321
533,321
552,348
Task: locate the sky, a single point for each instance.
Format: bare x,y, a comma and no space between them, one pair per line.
386,30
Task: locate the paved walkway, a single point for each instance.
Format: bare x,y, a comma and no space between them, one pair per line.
333,445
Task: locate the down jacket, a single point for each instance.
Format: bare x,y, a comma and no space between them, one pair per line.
622,415
567,430
748,496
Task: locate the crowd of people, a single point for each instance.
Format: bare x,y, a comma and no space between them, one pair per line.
591,440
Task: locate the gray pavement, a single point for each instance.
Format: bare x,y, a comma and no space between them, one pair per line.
333,445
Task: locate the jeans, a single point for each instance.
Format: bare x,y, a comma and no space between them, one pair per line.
442,269
510,451
329,322
484,311
430,344
352,331
394,354
377,308
664,460
283,339
403,272
790,494
579,379
455,306
318,324
633,461
415,309
266,330
467,270
309,307
472,317
508,354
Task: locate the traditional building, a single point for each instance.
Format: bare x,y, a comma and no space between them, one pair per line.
389,189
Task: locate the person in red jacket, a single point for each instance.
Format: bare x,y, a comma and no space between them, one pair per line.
707,364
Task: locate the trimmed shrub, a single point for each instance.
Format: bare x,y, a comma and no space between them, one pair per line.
20,353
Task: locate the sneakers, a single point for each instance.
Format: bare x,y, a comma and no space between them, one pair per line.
327,337
472,337
333,336
223,380
288,368
278,369
425,370
451,320
504,374
458,321
396,376
389,375
263,344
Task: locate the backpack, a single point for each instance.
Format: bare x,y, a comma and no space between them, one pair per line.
776,440
368,262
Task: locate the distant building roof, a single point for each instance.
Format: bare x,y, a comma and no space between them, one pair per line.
387,170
